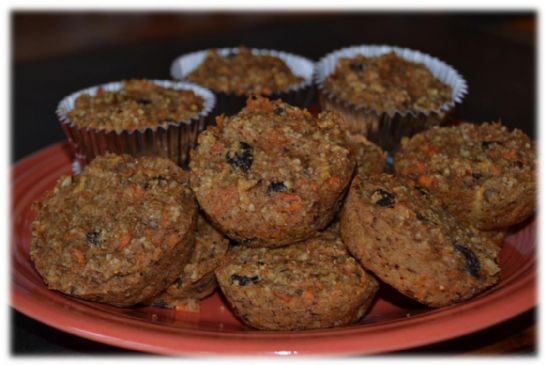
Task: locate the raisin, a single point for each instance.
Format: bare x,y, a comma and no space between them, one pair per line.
472,264
487,144
356,67
143,101
476,175
518,164
276,187
424,192
244,280
421,217
93,238
178,282
242,158
278,111
383,198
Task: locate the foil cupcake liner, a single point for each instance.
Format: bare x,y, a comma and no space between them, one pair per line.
171,140
387,129
300,95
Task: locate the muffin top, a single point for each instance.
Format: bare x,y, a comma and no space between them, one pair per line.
138,104
112,222
270,169
244,73
467,155
386,84
484,174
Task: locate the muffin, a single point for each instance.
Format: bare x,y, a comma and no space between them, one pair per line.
307,285
272,174
483,174
135,117
197,279
236,73
401,234
385,93
118,232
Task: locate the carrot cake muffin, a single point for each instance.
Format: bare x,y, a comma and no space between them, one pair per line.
138,104
386,84
400,233
307,285
483,174
118,233
197,279
242,72
272,174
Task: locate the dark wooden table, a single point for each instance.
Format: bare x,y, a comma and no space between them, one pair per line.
56,54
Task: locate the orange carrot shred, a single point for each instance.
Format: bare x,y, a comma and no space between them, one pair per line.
425,181
124,240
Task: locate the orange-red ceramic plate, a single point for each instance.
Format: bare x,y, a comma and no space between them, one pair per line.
394,323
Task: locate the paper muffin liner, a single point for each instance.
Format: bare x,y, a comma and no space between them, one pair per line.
387,129
300,94
171,140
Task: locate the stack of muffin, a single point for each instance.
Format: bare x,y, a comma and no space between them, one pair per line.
315,222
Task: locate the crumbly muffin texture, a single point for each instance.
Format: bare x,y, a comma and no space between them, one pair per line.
483,174
386,84
197,280
272,174
244,73
118,232
312,284
370,158
400,233
138,104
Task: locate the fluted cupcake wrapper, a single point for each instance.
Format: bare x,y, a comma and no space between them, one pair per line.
300,94
387,129
171,140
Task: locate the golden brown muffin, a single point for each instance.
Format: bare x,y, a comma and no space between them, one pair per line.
402,235
118,232
272,174
311,284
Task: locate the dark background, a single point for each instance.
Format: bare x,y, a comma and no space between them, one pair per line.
55,54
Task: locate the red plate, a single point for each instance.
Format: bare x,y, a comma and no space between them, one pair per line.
394,323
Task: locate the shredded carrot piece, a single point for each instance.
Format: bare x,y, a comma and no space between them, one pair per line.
334,181
425,181
136,190
510,154
293,200
308,295
215,148
281,296
171,240
430,149
419,167
78,255
124,240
